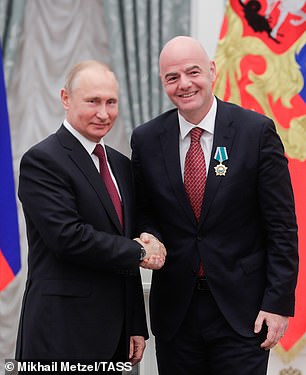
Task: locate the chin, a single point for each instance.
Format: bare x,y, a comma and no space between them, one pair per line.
95,137
101,133
188,107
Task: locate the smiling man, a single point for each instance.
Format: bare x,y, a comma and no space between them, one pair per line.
188,81
83,299
90,98
213,184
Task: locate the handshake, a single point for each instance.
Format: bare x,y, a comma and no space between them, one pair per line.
155,252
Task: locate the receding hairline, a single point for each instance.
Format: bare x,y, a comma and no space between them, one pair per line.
178,41
74,72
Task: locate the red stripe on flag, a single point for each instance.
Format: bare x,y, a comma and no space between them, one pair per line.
297,326
7,275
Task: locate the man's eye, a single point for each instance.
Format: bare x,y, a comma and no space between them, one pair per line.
171,79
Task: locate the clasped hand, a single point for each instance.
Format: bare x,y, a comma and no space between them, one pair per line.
156,251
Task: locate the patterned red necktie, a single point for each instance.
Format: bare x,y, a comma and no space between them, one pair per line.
109,183
195,176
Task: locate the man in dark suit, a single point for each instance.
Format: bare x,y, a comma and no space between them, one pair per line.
83,297
212,182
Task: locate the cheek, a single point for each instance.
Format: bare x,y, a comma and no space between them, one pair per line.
113,114
170,90
86,114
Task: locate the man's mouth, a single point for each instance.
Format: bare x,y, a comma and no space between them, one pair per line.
100,125
187,95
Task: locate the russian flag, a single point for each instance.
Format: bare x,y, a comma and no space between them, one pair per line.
267,73
10,262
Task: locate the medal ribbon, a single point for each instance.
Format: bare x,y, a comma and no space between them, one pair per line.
221,154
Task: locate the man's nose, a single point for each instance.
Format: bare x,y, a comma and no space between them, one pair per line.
184,82
102,113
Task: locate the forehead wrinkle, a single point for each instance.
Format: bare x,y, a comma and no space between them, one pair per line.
188,68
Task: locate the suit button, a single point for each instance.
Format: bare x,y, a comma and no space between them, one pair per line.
199,238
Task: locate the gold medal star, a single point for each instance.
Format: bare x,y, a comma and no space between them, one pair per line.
220,169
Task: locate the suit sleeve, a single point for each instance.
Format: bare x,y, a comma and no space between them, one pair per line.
279,221
146,222
137,318
50,202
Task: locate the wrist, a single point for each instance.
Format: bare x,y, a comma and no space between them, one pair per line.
143,254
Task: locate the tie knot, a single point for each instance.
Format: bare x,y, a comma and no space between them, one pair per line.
195,134
99,151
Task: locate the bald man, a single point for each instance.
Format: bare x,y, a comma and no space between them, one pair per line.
212,182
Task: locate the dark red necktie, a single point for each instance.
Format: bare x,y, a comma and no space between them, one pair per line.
108,181
195,176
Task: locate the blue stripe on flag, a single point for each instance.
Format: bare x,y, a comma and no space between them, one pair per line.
9,233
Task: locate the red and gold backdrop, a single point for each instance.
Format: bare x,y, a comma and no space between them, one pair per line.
261,65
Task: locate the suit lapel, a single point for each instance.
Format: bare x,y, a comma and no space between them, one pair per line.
223,136
83,161
124,188
169,139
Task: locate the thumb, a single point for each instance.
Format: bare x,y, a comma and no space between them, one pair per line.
145,237
258,323
131,349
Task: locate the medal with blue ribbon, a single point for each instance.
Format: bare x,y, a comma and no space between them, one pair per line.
220,156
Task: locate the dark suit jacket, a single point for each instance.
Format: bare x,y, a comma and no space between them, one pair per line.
247,234
83,284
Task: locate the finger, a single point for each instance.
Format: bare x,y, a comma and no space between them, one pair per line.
271,339
258,324
131,348
267,345
156,260
154,267
139,347
271,342
144,263
163,250
136,357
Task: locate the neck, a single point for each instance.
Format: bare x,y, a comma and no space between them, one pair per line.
195,117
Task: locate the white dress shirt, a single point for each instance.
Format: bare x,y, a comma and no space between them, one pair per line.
208,125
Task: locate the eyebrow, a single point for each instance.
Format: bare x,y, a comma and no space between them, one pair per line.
188,69
91,97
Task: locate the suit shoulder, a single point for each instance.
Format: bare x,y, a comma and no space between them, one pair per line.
42,146
157,123
246,121
238,113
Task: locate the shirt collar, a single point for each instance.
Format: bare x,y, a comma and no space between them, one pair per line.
86,143
207,124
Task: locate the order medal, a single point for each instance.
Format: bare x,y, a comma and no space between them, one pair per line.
221,156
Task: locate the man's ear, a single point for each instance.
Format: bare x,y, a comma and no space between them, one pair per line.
65,99
212,71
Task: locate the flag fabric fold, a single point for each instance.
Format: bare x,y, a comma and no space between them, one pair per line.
10,262
261,65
